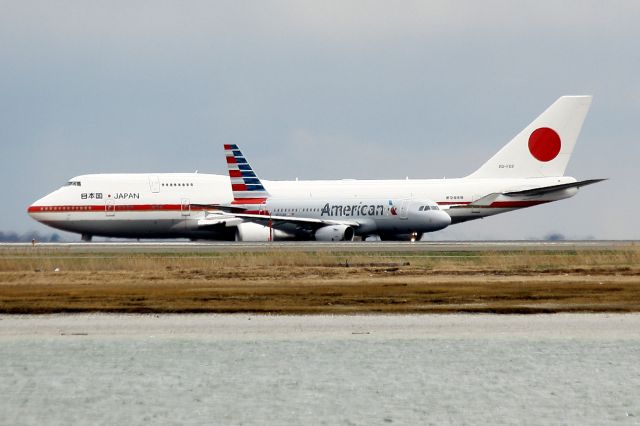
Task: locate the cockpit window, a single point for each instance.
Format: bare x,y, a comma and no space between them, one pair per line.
73,183
421,208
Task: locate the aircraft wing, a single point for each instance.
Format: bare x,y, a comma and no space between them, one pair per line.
553,188
485,201
284,221
218,218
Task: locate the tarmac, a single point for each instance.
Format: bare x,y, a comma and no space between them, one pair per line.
386,246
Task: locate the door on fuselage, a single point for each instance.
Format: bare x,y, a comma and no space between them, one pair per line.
154,184
109,207
404,207
185,207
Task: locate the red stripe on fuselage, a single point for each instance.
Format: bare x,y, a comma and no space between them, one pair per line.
113,207
496,204
178,207
516,204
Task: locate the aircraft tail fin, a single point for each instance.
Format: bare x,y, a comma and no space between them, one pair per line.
245,184
544,147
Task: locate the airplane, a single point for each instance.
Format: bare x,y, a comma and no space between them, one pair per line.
528,171
319,218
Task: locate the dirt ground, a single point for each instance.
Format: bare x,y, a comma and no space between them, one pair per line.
47,281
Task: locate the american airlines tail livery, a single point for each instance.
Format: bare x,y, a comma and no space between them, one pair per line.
527,171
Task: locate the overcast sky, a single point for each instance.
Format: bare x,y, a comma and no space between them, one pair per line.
324,89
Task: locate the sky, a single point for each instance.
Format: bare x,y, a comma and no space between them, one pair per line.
319,90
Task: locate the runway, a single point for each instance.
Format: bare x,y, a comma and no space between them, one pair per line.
374,247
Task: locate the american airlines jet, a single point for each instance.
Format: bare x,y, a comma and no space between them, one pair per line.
527,171
330,218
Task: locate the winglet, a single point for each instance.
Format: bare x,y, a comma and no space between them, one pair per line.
245,184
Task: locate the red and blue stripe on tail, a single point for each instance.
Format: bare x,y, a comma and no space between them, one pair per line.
245,184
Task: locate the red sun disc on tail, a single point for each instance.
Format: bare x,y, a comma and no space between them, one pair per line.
544,144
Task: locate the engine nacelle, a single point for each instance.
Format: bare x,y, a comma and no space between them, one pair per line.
254,232
335,233
248,231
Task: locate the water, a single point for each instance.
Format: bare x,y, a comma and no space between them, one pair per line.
239,369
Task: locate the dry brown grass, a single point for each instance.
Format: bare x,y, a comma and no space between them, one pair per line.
282,281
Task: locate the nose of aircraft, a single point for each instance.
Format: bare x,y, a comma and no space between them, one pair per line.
441,219
35,209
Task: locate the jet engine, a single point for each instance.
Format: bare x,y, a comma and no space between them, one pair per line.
335,233
248,231
254,232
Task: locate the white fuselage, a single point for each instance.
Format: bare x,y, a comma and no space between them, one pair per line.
369,216
163,205
171,205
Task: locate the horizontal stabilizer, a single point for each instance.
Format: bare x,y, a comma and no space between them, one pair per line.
549,189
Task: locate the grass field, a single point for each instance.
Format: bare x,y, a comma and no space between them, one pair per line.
42,280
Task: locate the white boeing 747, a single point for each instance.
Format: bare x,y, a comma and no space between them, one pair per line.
527,171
